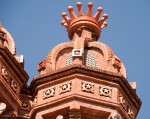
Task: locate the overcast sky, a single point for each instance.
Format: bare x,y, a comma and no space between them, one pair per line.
35,27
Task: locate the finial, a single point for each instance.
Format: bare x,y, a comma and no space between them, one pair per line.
105,16
79,5
101,21
104,24
89,12
72,14
67,19
63,23
98,13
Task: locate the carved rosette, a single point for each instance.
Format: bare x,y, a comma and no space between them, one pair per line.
25,106
105,91
47,93
5,74
87,87
66,87
14,85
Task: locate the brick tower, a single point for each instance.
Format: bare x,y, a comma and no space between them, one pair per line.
80,79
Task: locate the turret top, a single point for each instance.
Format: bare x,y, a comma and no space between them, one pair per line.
76,22
7,40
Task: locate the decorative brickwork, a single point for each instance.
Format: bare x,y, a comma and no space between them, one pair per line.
90,60
69,60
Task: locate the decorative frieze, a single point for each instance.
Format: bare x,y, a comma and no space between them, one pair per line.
126,107
66,87
123,102
25,106
105,91
13,83
87,87
130,113
48,92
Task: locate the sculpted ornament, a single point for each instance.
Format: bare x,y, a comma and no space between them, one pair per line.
130,113
66,87
87,87
105,91
14,85
126,106
49,93
25,106
5,73
123,102
6,76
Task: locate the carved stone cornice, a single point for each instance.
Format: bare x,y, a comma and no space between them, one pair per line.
6,56
78,71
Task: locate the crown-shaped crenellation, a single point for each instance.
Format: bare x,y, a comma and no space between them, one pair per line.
77,21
